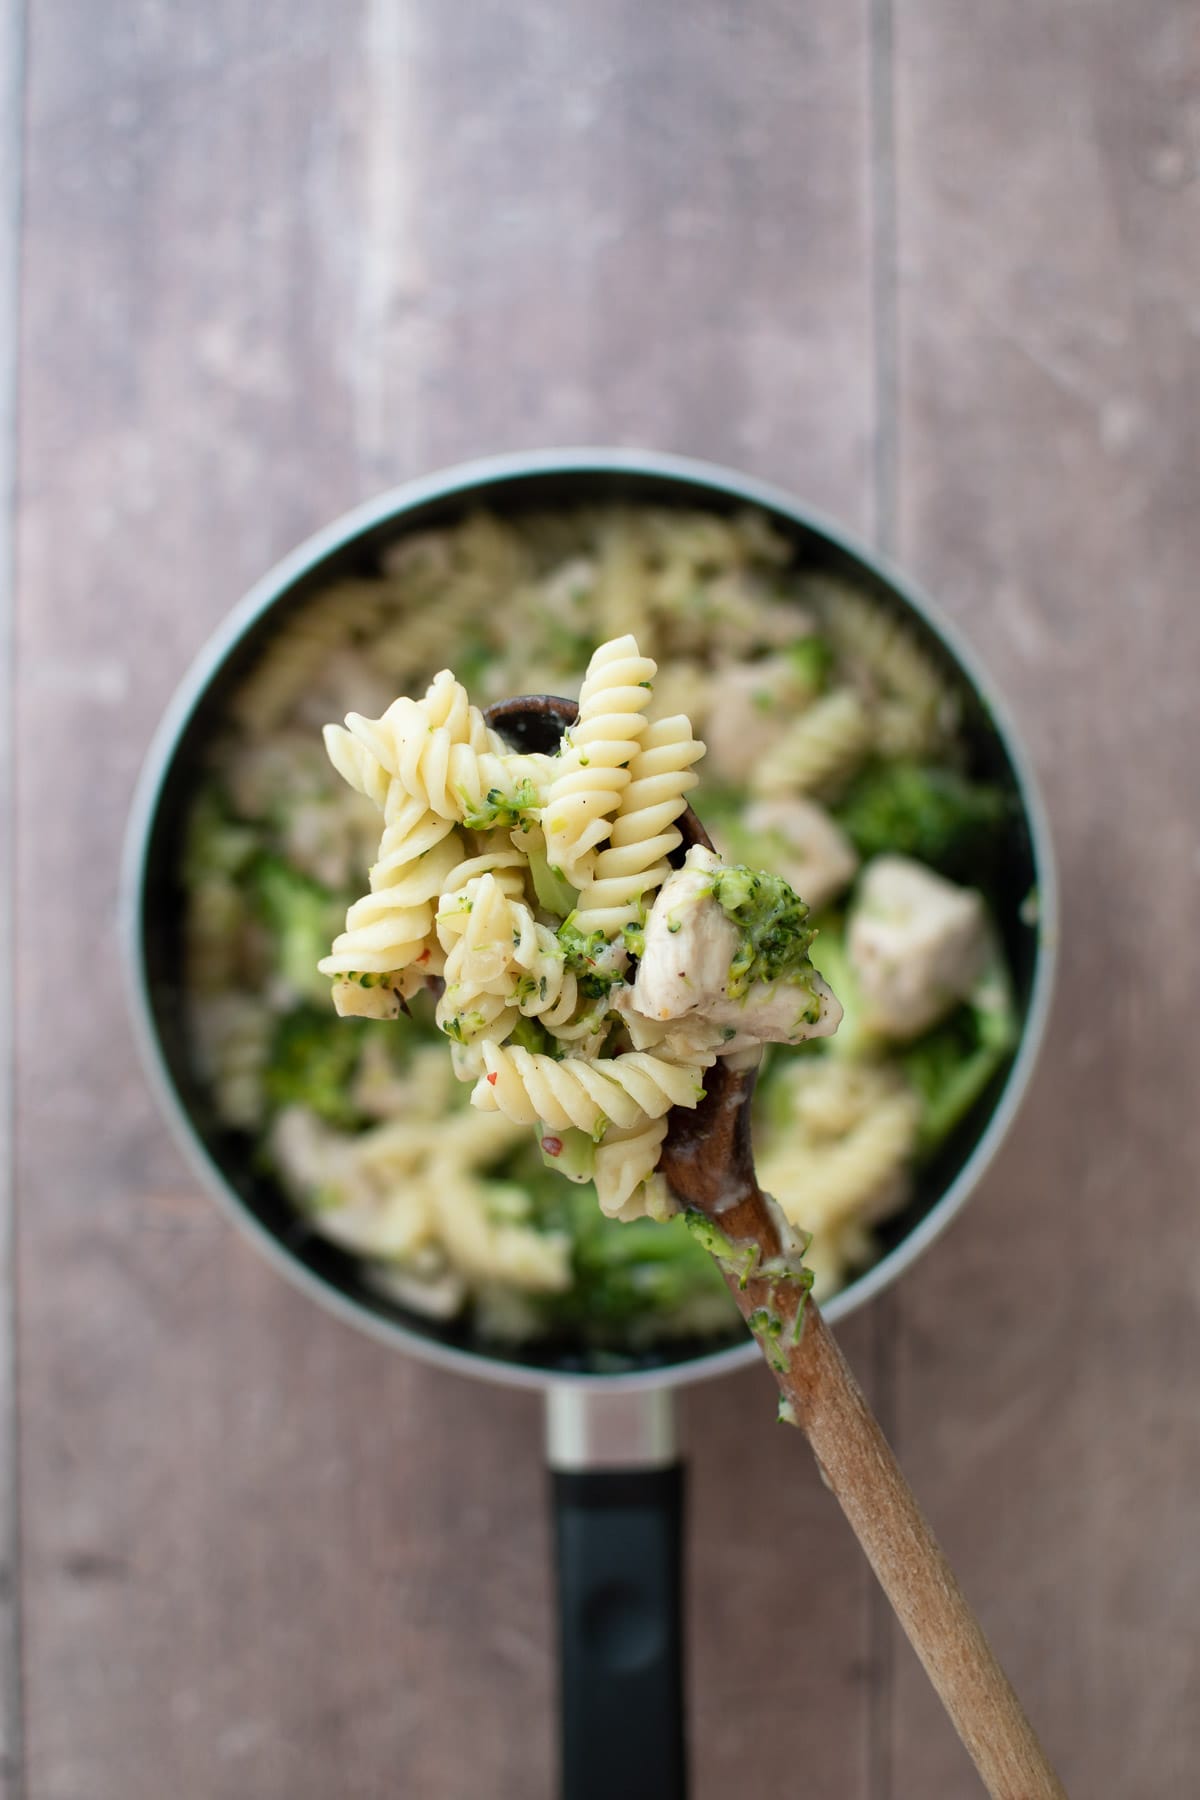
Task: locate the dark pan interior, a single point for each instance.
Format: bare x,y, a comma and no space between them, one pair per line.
162,910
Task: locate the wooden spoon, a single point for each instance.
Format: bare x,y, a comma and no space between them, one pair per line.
708,1161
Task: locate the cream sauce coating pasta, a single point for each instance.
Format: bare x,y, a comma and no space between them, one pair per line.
752,637
539,1005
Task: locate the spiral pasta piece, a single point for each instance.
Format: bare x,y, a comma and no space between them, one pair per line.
357,765
488,1249
527,1086
500,953
644,832
624,1161
823,747
591,770
916,710
886,647
295,659
846,1150
475,924
441,751
389,928
491,854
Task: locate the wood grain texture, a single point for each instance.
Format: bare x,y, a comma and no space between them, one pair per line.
278,257
1049,232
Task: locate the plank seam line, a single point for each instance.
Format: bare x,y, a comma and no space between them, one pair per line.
885,1315
884,274
12,199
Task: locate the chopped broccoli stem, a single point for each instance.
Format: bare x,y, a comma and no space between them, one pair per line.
532,1035
554,893
570,1153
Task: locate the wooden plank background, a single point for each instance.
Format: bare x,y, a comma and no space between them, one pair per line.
934,267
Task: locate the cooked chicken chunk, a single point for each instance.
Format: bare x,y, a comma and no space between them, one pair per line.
916,943
692,949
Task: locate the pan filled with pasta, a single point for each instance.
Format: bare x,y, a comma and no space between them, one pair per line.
827,728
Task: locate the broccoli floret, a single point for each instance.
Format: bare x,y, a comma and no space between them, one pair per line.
626,1277
624,1273
951,1065
302,918
774,936
812,662
216,843
589,954
313,1058
927,812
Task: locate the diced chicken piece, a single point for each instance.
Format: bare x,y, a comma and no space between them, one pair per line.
818,859
916,943
777,1012
751,705
691,945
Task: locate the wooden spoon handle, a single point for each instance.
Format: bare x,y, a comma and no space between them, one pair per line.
858,1465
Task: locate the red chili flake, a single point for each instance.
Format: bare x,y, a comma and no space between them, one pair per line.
424,956
494,1077
552,1146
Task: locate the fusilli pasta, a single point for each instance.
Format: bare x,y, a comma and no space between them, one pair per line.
644,832
916,709
819,749
502,962
440,751
528,1086
625,1160
842,1162
593,765
391,928
793,675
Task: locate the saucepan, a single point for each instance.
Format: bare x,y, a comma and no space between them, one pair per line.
616,1477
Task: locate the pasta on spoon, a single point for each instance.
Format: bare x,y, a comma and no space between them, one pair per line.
587,985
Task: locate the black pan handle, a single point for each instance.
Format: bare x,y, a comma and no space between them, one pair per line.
619,1532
